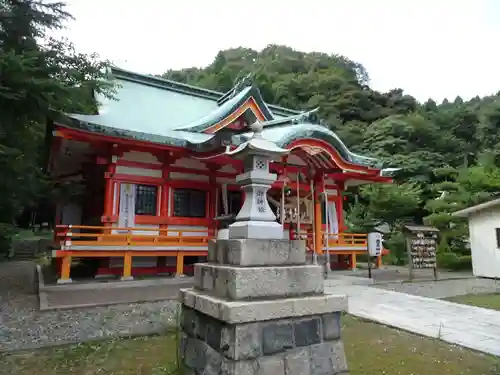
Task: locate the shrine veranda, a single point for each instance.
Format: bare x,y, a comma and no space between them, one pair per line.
158,183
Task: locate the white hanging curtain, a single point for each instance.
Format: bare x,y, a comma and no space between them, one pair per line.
126,216
333,223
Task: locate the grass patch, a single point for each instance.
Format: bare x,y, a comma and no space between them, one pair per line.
488,301
375,349
150,355
371,349
28,234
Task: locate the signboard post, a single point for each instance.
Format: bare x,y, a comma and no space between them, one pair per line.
374,249
421,246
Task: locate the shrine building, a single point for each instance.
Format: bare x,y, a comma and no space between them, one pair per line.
154,182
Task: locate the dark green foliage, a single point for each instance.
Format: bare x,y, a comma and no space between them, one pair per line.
37,75
454,262
452,146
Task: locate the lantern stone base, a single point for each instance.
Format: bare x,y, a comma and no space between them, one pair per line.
307,345
256,229
244,317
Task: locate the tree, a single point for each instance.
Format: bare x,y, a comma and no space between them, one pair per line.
38,75
438,146
461,188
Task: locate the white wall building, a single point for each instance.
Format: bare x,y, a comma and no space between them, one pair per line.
484,231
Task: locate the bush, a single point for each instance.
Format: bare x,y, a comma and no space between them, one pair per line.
454,262
6,233
395,242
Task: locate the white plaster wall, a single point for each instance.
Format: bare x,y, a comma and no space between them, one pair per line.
189,163
146,232
224,180
200,230
329,181
139,171
485,253
331,192
228,168
140,157
139,232
188,176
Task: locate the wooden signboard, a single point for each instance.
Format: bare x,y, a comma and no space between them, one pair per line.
306,210
421,245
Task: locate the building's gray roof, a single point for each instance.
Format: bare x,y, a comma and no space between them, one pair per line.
477,208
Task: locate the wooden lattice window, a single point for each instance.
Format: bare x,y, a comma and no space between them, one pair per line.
146,200
190,203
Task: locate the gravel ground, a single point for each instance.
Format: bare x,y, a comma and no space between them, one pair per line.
22,326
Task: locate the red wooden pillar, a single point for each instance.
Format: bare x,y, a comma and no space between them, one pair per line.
164,202
109,199
109,188
318,222
340,207
212,198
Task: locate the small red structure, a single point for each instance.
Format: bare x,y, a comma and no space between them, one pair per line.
157,184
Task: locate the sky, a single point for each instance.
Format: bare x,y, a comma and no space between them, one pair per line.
429,48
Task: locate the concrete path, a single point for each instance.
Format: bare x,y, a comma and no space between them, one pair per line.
472,327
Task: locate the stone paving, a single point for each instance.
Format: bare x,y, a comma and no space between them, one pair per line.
468,326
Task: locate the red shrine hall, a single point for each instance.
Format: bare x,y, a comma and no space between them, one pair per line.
153,184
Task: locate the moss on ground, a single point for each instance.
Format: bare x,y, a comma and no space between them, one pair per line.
371,349
488,301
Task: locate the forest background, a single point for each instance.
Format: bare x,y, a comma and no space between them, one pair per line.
449,152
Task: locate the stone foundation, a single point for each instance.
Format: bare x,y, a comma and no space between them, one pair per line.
243,317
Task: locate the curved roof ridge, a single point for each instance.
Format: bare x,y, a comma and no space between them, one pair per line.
233,104
278,133
219,114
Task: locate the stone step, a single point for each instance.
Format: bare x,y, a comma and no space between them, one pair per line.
240,283
237,312
257,252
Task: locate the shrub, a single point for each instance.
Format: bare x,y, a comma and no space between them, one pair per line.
454,262
395,242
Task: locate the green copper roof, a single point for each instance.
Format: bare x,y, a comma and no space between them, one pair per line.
284,135
155,106
153,109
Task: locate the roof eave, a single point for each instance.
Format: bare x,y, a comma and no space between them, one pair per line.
173,139
466,212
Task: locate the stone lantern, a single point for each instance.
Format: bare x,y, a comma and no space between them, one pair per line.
256,219
257,307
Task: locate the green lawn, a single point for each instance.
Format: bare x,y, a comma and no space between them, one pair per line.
488,301
28,234
371,349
